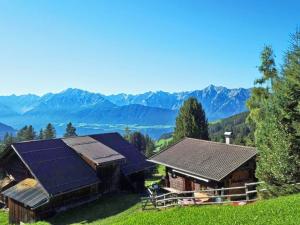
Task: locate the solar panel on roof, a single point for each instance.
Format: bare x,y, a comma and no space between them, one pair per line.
135,161
57,167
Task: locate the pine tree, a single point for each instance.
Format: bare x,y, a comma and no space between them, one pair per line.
287,99
127,133
191,121
267,67
277,132
275,166
30,133
261,93
70,130
8,140
49,132
138,140
150,146
22,133
41,134
143,143
26,133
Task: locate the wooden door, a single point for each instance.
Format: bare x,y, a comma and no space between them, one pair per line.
188,185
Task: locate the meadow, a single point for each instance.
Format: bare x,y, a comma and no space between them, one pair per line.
126,209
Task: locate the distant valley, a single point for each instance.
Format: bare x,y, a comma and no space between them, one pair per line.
150,112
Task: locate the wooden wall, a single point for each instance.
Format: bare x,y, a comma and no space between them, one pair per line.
176,182
242,175
71,198
19,213
110,176
185,183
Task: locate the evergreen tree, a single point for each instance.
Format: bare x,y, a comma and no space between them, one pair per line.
191,121
30,134
22,133
275,166
287,100
7,142
41,134
127,133
70,130
267,67
260,94
26,133
150,146
138,140
143,143
49,132
277,132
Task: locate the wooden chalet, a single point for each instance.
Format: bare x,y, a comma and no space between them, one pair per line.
194,165
41,178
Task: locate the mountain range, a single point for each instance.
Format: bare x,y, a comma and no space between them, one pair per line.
5,129
93,111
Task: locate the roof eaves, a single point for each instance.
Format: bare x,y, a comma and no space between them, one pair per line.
187,171
29,169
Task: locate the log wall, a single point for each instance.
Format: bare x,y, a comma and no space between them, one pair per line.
242,175
19,213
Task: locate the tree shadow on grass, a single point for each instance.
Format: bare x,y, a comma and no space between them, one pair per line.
104,207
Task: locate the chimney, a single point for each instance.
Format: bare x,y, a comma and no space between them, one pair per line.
228,137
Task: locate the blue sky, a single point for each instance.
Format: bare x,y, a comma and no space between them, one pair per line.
136,46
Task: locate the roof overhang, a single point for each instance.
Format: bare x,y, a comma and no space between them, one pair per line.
35,177
29,192
193,176
186,172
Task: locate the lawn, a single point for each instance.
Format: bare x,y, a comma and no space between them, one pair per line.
3,218
156,177
126,210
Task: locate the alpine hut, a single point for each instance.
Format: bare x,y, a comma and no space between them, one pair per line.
54,175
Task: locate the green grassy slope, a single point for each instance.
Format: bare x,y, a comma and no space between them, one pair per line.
281,211
121,210
162,143
3,217
156,177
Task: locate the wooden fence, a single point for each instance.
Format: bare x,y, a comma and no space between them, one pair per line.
247,193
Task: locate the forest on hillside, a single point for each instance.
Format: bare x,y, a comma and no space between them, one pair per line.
242,134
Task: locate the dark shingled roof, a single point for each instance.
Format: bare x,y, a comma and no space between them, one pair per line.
135,161
93,149
29,192
58,168
211,160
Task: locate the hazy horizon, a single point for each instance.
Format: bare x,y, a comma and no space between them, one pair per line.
146,91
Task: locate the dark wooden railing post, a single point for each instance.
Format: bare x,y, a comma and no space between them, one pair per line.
246,191
222,193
